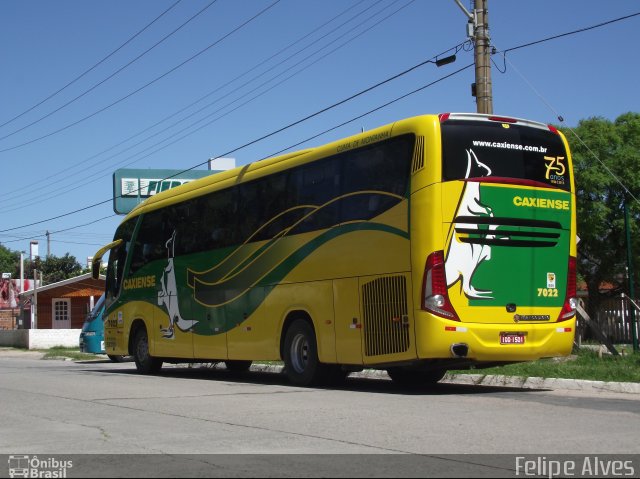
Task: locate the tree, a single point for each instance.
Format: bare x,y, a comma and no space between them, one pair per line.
600,199
9,261
55,268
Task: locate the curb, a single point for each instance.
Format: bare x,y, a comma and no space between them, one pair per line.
461,379
499,381
543,383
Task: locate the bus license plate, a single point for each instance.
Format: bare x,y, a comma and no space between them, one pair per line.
511,338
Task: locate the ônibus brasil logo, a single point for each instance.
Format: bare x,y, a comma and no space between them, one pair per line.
32,466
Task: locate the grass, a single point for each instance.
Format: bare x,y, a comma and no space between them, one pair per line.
586,364
60,352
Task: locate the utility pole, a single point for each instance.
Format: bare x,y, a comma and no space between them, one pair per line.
48,243
630,274
478,30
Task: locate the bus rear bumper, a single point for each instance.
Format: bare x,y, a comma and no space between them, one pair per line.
441,338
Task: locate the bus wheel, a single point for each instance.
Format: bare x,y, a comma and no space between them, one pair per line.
238,366
301,355
415,378
145,363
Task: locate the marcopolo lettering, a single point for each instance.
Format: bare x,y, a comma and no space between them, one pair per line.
528,202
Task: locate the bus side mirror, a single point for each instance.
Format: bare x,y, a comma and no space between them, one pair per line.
97,258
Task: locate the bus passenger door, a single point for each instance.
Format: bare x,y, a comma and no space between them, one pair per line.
347,321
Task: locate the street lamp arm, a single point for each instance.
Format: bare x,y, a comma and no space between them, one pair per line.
466,12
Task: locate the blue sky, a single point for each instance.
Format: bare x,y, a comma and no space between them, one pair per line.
255,73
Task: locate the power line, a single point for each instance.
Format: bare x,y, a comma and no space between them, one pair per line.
252,142
320,112
572,32
21,203
380,107
191,58
91,68
26,235
295,42
561,120
109,77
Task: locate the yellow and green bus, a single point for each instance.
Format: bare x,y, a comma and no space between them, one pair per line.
433,243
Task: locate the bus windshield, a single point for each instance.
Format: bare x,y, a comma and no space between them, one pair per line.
96,309
475,149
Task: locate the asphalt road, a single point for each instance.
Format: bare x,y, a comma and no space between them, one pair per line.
207,422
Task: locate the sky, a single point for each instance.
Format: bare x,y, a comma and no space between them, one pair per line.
90,87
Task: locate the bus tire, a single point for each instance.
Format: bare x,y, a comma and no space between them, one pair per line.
236,366
412,378
300,355
145,363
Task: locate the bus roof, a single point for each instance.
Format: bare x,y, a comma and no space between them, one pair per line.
267,166
260,168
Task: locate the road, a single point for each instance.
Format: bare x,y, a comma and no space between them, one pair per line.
54,407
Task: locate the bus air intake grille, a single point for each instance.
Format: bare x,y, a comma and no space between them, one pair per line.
385,315
418,155
514,232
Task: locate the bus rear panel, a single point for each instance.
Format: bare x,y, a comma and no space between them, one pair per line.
498,282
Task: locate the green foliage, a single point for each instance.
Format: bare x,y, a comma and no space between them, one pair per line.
56,268
600,198
9,262
53,268
587,364
62,352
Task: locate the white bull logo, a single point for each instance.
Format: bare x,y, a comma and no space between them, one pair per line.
463,259
168,297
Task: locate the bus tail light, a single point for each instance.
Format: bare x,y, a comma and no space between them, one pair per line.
435,297
503,119
571,299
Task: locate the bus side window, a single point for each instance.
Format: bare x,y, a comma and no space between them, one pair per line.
115,270
153,238
266,199
372,175
187,222
117,261
316,185
219,220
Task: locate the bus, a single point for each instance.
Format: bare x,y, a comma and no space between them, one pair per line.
437,242
92,334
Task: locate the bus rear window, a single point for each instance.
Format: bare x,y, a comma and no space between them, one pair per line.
474,149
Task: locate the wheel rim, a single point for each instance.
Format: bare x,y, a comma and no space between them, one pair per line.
299,353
